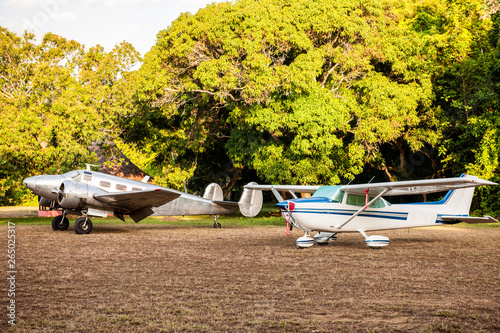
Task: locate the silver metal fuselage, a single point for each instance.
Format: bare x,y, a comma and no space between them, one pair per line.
186,204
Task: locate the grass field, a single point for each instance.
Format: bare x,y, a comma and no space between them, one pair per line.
181,274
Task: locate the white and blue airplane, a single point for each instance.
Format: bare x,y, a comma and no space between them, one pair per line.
362,208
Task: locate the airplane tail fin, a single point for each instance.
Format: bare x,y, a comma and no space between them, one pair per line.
213,192
250,202
458,202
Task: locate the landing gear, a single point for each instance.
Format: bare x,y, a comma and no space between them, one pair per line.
60,222
304,241
83,225
217,225
375,241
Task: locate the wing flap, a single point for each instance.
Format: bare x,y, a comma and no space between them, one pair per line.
141,214
136,200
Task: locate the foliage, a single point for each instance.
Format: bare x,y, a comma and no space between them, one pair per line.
468,91
300,92
56,99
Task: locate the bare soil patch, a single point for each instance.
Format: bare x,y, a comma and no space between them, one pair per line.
155,278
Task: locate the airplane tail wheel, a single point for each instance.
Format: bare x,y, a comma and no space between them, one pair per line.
60,223
83,225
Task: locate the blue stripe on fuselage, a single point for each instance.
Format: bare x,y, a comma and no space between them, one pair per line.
348,212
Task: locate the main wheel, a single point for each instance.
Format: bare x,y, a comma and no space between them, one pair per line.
83,225
60,223
217,225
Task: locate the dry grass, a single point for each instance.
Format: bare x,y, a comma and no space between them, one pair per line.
131,278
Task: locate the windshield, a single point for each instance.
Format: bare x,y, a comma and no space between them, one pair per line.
333,193
72,174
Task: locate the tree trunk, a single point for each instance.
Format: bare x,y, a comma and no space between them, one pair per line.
227,189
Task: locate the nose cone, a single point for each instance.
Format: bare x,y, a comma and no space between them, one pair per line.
30,183
287,204
282,204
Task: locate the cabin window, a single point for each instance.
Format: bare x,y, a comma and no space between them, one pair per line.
87,176
136,189
360,200
120,187
105,184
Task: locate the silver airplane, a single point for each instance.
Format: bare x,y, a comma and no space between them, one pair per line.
90,193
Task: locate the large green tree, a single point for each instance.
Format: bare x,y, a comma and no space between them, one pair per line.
55,100
299,91
467,85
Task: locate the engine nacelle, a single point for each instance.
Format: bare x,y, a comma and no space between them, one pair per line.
45,203
75,195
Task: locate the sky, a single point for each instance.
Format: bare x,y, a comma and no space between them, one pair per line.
92,22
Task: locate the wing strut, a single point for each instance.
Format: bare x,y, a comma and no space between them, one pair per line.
277,195
367,204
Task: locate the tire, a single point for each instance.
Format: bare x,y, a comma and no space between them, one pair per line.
83,225
60,223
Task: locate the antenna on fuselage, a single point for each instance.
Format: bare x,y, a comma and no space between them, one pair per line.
371,180
91,165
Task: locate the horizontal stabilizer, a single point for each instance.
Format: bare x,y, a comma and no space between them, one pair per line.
468,219
226,204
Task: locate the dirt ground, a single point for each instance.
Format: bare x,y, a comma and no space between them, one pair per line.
155,278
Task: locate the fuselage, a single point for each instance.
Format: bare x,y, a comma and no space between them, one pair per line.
186,204
328,210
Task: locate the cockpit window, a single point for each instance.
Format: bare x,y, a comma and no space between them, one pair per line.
75,175
333,193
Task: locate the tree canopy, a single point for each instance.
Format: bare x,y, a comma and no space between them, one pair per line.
56,99
299,92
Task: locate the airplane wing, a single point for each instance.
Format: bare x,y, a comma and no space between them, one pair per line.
416,186
292,188
136,200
